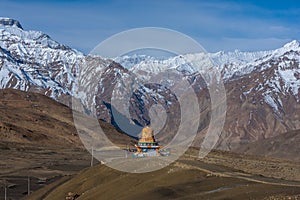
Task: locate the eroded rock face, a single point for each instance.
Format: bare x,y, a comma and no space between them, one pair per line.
258,108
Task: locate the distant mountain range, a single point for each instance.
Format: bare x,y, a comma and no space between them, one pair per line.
262,87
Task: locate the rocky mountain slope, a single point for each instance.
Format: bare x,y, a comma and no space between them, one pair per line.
31,60
263,86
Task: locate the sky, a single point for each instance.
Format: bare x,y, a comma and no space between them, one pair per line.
216,25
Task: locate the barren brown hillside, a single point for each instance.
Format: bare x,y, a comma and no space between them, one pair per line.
38,140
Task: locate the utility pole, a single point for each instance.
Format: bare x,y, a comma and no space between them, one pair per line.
92,158
5,190
28,185
126,151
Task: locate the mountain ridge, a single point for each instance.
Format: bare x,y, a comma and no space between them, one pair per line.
263,85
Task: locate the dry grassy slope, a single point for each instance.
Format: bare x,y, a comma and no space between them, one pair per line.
181,180
33,118
38,139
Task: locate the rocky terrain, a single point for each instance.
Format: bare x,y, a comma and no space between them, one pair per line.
264,86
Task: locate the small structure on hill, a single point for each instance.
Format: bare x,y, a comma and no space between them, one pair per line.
147,145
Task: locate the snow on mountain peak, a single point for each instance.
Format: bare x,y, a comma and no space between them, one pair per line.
32,59
292,45
231,64
10,22
12,32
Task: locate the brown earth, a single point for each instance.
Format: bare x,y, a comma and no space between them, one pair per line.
187,178
33,118
38,140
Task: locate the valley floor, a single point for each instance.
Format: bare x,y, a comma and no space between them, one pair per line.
220,175
38,165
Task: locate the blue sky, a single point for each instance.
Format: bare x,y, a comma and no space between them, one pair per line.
216,25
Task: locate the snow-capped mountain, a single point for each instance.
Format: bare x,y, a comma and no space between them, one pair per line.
31,60
231,64
264,86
